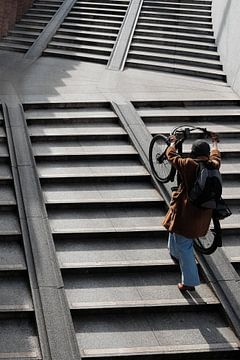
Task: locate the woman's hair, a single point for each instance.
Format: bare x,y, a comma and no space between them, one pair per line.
200,148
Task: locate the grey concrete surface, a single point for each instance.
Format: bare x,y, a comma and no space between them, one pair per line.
227,33
205,333
54,79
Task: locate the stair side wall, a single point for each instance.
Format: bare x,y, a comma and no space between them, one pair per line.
227,33
10,12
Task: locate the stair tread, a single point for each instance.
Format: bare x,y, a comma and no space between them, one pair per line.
174,56
200,18
151,333
104,21
211,110
92,172
74,130
161,34
99,195
12,45
69,113
173,47
79,26
114,290
86,32
19,339
181,8
79,38
137,38
83,150
179,29
177,66
80,53
81,9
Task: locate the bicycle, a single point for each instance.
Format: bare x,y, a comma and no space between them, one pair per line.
165,172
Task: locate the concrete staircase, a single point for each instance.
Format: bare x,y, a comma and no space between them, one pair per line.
170,36
89,31
105,216
176,37
27,30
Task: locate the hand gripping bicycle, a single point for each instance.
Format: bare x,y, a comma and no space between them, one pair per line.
164,172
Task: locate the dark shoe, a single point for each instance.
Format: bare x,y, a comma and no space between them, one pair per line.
174,259
183,287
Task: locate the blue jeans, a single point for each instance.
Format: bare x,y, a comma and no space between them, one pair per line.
182,248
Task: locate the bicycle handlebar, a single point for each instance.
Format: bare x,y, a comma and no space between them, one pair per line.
186,129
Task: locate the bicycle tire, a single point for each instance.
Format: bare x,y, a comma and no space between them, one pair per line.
207,246
162,169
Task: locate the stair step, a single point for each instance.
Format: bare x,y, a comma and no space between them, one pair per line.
82,33
13,47
88,27
104,193
28,28
105,22
130,290
174,59
23,34
77,130
99,4
176,4
19,338
150,333
174,50
12,256
21,301
180,22
176,16
74,149
90,15
92,169
102,10
192,111
174,28
165,128
85,56
19,40
176,10
95,48
174,42
71,115
37,16
115,218
178,69
173,35
33,22
82,40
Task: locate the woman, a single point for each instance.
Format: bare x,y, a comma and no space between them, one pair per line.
184,221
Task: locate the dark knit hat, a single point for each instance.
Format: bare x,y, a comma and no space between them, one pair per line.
200,148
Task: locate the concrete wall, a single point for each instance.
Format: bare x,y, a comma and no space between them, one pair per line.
10,12
226,15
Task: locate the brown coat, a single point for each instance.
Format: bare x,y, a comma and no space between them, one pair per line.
183,218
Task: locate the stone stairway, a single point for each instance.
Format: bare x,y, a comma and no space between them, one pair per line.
105,217
27,30
176,37
170,36
89,31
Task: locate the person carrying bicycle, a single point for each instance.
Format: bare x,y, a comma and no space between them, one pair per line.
185,221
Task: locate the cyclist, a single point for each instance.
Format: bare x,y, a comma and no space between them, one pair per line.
184,221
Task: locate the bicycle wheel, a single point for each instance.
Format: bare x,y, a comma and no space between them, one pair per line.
211,241
161,167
